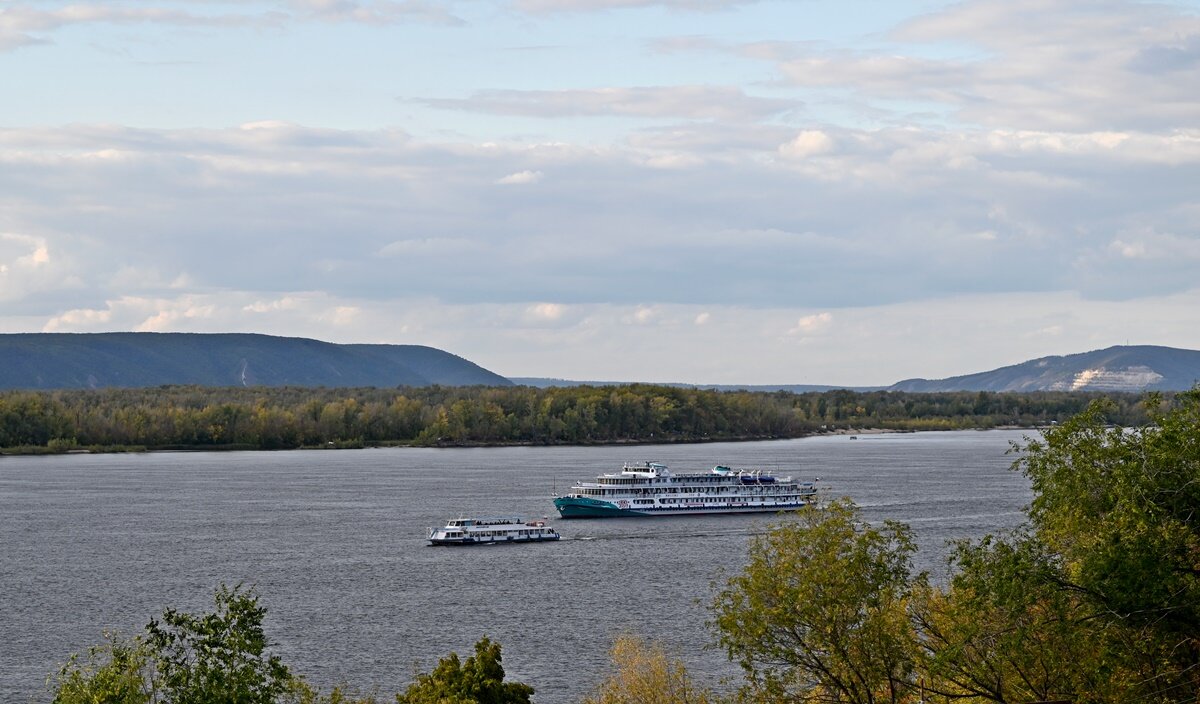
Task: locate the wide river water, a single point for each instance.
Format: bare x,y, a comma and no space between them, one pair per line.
334,542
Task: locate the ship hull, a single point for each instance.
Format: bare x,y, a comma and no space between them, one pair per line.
503,540
584,507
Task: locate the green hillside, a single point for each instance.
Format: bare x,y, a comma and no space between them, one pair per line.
135,359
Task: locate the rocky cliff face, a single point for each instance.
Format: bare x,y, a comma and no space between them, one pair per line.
1135,378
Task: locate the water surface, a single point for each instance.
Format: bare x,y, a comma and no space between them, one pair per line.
335,543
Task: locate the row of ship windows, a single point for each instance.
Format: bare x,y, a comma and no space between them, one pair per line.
695,490
663,480
739,500
489,533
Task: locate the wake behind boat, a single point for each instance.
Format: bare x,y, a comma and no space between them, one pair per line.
485,531
651,489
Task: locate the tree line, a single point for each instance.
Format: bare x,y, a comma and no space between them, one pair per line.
1095,599
271,418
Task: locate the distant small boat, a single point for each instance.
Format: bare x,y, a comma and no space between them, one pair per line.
853,437
490,531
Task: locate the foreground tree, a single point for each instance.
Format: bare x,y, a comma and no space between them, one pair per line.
116,672
213,658
219,656
1119,510
222,657
644,674
479,680
820,612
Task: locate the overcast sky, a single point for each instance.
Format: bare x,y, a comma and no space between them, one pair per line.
707,191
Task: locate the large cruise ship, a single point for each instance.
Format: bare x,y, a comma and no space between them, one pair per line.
650,489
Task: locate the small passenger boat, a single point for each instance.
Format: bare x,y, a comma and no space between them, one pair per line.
487,531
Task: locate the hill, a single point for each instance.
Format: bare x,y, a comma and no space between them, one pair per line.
139,359
1121,368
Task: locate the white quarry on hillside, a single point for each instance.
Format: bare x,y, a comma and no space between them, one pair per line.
1127,379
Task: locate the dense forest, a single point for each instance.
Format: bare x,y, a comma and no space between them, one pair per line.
194,417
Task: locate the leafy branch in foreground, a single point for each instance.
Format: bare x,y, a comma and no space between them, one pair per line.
643,673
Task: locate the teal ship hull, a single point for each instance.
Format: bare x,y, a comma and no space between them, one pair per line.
583,507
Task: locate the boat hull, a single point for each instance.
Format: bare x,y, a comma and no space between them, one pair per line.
584,507
500,540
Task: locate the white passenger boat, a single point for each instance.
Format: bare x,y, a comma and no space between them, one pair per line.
651,489
485,531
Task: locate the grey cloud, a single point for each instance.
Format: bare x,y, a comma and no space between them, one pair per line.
688,102
882,216
1039,64
1179,56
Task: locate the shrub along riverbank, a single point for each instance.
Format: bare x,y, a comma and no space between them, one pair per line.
271,418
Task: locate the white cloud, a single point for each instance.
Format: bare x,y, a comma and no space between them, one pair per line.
548,6
30,267
806,144
693,102
702,318
811,324
547,311
29,23
520,178
374,12
644,315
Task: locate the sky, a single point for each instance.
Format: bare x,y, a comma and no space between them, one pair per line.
699,191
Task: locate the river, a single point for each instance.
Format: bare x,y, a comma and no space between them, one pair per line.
334,542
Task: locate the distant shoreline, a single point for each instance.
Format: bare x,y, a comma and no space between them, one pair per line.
38,450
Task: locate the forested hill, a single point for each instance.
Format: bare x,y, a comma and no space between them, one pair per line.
136,359
1122,368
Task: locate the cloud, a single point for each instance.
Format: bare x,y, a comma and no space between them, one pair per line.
696,102
547,311
28,267
375,12
550,6
806,144
1029,64
427,246
23,23
811,324
520,178
28,23
643,315
882,215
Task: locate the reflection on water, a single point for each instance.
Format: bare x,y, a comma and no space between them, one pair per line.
335,543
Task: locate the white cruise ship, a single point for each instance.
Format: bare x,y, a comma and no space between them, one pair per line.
651,489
